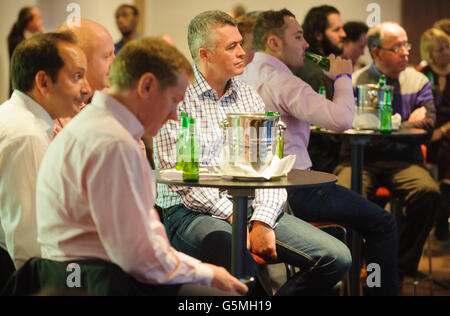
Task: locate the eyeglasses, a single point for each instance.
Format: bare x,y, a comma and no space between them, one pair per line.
398,49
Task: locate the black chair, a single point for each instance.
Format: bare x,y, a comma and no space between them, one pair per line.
7,268
97,278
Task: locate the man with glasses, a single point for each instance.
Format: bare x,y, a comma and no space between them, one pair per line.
399,165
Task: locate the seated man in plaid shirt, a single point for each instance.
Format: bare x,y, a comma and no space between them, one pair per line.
198,220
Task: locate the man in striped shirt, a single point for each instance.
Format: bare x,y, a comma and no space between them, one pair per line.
198,220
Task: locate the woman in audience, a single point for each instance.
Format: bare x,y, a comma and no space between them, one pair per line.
435,50
28,22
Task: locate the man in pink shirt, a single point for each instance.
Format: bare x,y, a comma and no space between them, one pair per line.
96,192
280,49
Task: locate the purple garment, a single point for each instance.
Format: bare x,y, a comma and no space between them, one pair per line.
412,90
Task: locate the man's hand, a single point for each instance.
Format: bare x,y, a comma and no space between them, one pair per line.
446,128
262,240
442,132
223,280
339,66
230,220
418,115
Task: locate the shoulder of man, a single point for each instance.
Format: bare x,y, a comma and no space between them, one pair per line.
16,125
363,76
309,70
412,81
313,75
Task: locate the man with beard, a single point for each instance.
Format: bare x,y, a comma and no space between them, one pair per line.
127,18
324,31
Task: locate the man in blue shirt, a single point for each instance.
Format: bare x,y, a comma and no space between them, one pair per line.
127,18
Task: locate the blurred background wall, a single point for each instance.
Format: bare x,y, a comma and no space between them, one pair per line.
172,16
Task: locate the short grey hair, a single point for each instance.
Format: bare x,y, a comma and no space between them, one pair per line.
200,28
377,35
374,38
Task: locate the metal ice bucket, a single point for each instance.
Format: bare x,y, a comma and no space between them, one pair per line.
251,139
370,99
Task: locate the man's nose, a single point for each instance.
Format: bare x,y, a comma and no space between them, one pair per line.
306,44
86,89
241,51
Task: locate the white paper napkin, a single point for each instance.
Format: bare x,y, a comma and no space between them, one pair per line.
371,121
366,121
396,121
176,175
276,168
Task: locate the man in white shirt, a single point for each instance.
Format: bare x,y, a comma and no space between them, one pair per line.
48,73
96,192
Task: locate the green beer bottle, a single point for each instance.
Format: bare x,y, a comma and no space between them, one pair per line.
382,81
280,147
323,91
191,155
323,62
386,113
181,141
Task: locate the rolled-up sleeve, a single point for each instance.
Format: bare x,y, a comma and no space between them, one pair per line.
296,98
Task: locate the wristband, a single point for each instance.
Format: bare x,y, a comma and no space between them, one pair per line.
343,75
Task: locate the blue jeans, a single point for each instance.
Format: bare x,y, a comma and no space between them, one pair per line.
335,203
322,259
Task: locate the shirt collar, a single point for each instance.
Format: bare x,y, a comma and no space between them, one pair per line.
377,74
127,119
201,86
261,57
26,102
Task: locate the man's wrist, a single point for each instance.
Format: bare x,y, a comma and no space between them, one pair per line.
343,75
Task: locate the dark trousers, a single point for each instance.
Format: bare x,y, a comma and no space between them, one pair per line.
442,230
6,267
419,194
338,204
97,278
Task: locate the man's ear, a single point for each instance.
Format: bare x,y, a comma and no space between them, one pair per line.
375,52
147,85
203,54
42,82
273,43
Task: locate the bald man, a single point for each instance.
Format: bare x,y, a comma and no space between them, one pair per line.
98,45
394,164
